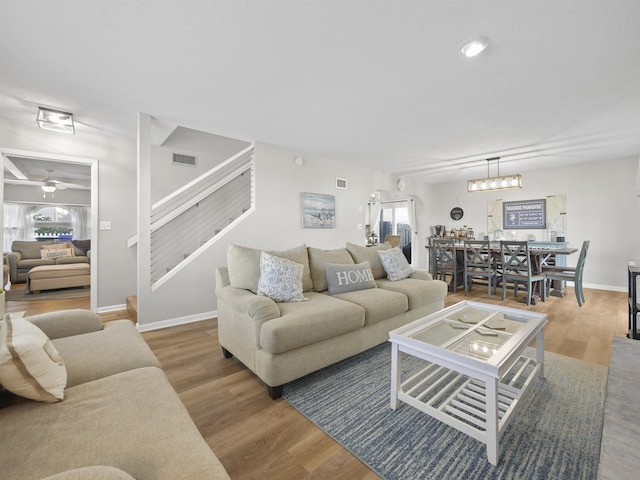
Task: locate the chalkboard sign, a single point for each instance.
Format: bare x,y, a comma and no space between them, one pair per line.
528,214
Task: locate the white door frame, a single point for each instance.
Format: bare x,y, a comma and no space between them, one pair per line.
94,204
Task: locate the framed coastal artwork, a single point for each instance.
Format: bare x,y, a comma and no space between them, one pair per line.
318,211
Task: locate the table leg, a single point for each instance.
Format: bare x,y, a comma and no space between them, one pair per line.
395,375
540,350
493,448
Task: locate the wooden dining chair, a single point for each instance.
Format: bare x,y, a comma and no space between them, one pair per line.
570,274
517,268
446,261
479,263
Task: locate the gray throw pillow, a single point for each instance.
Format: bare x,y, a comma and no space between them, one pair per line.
343,278
280,279
395,264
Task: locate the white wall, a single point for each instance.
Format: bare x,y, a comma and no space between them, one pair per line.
209,149
116,159
601,207
276,223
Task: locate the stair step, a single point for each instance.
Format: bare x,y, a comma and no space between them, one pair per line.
132,307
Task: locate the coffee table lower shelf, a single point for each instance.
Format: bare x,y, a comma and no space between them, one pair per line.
461,401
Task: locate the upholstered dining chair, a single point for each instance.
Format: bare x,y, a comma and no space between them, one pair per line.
571,274
479,263
446,261
517,268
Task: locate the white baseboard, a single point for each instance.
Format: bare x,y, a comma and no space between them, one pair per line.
611,288
172,322
111,308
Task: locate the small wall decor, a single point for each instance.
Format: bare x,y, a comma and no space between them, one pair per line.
318,211
456,214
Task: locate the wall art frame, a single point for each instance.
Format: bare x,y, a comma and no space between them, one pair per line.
318,210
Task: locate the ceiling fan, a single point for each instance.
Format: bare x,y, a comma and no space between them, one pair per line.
48,184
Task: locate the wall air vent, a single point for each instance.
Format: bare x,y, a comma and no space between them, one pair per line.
179,159
341,183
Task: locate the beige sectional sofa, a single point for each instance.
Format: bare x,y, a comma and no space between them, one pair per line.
119,418
281,341
26,254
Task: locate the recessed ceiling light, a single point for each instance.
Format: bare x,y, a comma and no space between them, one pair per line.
474,47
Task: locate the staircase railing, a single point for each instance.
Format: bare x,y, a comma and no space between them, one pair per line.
190,219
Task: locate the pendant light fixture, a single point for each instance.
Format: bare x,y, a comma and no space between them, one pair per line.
491,184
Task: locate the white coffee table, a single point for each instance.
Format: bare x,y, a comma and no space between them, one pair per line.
475,368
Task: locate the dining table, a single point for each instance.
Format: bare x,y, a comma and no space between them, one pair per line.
542,254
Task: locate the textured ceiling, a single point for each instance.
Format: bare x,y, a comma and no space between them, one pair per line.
377,83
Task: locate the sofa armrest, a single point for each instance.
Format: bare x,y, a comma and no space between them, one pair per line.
66,323
257,307
420,274
13,258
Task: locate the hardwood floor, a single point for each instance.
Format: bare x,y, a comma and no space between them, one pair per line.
256,437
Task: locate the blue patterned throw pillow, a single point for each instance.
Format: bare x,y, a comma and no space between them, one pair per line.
395,264
280,279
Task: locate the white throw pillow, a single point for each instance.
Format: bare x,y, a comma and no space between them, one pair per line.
280,279
395,264
30,366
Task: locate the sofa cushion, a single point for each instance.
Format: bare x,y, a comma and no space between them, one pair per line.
133,421
361,254
280,279
29,249
318,260
378,304
395,264
307,323
71,259
30,366
116,348
36,262
419,292
347,278
244,265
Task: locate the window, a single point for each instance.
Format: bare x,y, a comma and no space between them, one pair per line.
51,222
394,220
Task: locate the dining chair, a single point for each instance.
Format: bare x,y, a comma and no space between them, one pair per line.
517,268
571,274
479,263
446,261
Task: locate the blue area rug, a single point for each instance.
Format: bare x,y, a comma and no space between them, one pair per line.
555,433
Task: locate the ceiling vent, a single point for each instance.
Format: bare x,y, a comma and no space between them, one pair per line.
179,159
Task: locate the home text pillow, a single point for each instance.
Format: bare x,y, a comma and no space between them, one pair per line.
30,366
395,264
318,261
343,278
280,279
